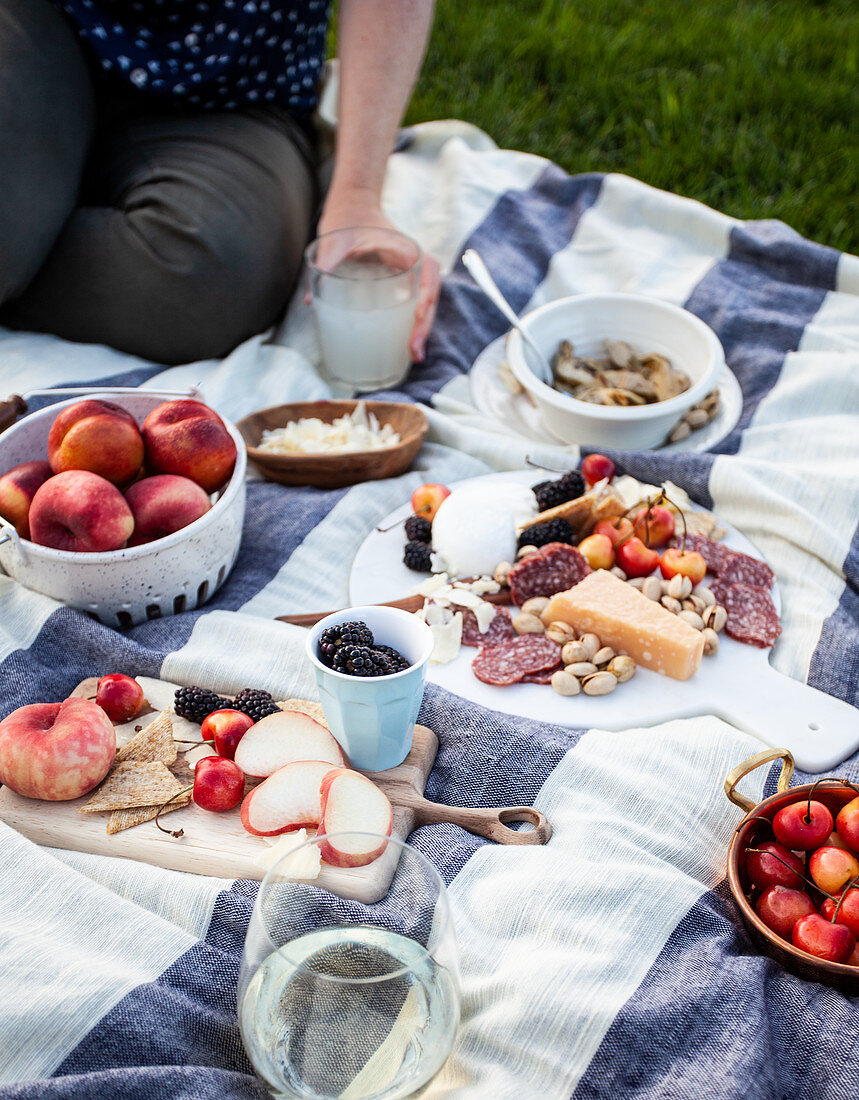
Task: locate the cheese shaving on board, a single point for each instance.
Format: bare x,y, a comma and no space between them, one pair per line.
357,431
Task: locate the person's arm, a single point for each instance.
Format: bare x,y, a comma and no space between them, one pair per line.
381,44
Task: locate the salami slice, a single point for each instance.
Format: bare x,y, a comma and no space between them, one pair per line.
553,568
747,570
510,661
499,630
544,677
715,554
752,617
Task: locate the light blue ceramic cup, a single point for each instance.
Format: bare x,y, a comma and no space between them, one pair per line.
373,717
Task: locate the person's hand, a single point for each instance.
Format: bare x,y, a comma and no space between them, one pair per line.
349,214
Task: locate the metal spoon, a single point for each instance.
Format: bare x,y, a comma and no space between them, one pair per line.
480,273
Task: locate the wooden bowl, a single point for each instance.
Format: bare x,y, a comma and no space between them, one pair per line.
334,471
752,830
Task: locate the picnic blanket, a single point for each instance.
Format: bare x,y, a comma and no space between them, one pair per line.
612,961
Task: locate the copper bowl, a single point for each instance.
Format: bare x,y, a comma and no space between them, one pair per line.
335,471
751,830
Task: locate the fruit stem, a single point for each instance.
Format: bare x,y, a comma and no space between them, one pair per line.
182,742
383,530
177,832
851,885
542,466
809,881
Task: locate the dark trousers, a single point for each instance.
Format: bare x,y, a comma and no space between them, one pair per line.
168,234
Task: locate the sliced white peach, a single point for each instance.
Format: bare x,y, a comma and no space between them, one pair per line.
351,803
283,738
289,799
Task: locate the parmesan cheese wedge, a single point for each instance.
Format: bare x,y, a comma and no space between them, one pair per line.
630,623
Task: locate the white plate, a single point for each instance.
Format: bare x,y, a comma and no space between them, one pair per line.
737,684
518,413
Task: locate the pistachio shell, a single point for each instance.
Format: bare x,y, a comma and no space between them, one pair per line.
524,551
536,605
704,593
582,668
564,683
618,572
528,624
670,604
622,668
502,571
711,641
636,582
692,618
715,617
652,588
601,683
603,656
591,643
573,652
560,632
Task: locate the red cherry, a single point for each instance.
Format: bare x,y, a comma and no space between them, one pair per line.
218,784
766,867
803,825
832,868
654,525
595,467
780,908
847,824
615,529
636,559
119,696
817,936
226,728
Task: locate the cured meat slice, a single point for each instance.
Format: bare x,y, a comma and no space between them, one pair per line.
553,568
715,554
509,662
544,677
499,630
752,617
747,570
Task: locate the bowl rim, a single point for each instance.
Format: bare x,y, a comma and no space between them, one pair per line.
336,617
567,403
227,495
415,431
747,910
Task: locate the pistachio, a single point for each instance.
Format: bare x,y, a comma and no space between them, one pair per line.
560,632
618,572
536,605
581,668
694,603
703,593
664,587
715,617
591,643
622,668
528,624
651,588
524,551
564,683
502,572
603,656
692,618
711,641
681,432
670,604
601,683
635,582
573,652
679,586
696,418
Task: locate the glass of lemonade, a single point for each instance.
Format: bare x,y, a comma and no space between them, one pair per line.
349,998
364,285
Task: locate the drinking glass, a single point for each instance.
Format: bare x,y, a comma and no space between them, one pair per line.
364,285
349,984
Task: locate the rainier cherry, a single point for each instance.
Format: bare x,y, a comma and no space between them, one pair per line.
780,908
636,559
654,525
687,563
766,867
595,467
615,529
426,500
832,868
848,913
817,936
847,824
803,825
598,551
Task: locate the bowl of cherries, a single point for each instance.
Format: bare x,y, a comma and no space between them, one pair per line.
793,868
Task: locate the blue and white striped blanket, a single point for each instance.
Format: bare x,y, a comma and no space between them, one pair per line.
611,962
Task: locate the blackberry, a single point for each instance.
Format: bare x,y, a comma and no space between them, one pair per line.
550,494
352,633
418,529
194,703
255,703
362,660
538,534
417,556
398,659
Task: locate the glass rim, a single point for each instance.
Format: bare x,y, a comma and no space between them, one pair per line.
311,263
445,923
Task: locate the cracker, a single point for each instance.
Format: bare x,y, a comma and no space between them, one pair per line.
305,706
127,819
153,742
584,512
133,783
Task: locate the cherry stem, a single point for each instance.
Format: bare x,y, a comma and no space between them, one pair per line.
180,742
851,885
542,466
177,832
809,881
393,525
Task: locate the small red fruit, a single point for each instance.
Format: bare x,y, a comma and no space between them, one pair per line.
615,529
598,551
218,784
119,696
848,914
780,908
802,825
226,728
654,525
847,824
832,868
426,500
689,564
595,467
766,867
636,559
817,936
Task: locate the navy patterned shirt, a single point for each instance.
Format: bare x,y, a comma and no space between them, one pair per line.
209,53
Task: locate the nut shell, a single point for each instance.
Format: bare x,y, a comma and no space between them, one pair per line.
565,684
715,617
622,668
536,605
601,683
692,618
582,668
560,632
652,588
502,572
603,656
524,551
591,643
573,653
711,641
528,624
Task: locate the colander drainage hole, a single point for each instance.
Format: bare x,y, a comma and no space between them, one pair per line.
153,611
222,572
178,604
202,592
124,619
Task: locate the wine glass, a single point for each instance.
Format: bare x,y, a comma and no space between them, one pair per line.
349,985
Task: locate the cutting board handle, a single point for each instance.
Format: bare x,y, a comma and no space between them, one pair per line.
489,823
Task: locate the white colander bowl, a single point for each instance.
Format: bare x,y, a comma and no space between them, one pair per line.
122,588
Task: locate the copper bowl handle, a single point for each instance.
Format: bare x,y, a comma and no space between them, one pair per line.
741,770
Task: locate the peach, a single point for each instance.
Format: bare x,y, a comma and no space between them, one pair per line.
56,751
97,436
352,807
17,488
163,504
188,438
78,510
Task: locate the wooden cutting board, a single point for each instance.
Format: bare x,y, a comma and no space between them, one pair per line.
218,845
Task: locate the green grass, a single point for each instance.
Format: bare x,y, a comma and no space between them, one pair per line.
750,106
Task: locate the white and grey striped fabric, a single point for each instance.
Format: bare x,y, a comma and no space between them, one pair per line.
612,961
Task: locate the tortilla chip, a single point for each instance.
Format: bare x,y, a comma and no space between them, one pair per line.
127,819
305,706
134,783
153,742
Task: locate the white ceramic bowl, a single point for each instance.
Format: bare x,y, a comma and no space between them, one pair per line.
124,587
649,325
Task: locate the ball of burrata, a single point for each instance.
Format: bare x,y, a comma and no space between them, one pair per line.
475,527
